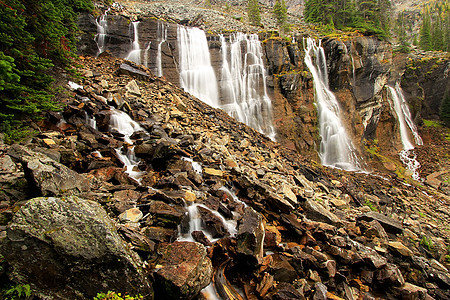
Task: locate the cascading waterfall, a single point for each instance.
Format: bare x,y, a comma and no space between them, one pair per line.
102,30
135,53
400,106
122,123
336,149
162,37
243,83
197,76
146,52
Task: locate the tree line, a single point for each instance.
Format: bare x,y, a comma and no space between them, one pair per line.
35,36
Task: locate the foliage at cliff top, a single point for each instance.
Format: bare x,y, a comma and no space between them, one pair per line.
435,30
34,37
368,16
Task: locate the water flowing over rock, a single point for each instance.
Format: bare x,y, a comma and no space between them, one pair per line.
135,53
197,76
336,148
69,248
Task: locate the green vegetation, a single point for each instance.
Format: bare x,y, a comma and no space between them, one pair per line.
19,291
400,29
426,243
254,15
445,109
370,205
116,296
430,123
35,37
435,29
368,16
280,14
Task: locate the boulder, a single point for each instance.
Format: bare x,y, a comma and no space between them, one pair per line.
389,224
48,177
184,270
68,248
317,212
250,237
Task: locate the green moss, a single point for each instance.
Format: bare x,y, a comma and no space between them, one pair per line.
431,123
427,243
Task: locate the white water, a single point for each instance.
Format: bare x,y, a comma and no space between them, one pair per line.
90,121
146,52
162,37
102,31
336,149
400,106
243,82
197,76
197,167
122,122
135,53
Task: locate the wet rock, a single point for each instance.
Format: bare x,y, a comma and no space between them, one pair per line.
49,177
411,291
126,69
52,237
200,237
164,215
285,291
250,237
389,224
213,223
137,239
184,270
317,212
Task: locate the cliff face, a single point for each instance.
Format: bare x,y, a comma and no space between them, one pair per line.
360,69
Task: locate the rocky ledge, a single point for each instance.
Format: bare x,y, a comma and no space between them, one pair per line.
178,200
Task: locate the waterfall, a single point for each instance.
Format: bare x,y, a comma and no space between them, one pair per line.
243,83
336,148
102,30
146,52
400,106
197,76
122,122
135,53
162,37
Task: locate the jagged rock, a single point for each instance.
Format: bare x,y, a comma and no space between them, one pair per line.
281,269
160,234
52,237
321,291
165,215
389,224
133,72
411,291
390,275
184,270
317,212
285,291
213,223
49,177
250,237
200,237
401,249
133,88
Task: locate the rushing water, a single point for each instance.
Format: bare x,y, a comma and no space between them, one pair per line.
243,82
197,76
102,31
122,123
336,148
400,106
162,37
135,54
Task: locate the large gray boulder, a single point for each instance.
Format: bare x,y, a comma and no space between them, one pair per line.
46,176
68,248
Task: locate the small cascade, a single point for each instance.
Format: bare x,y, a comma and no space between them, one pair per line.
102,31
122,123
243,83
90,121
336,148
162,37
197,76
197,167
135,53
400,106
146,52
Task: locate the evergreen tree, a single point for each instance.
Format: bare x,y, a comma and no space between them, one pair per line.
425,34
401,33
253,11
280,12
33,37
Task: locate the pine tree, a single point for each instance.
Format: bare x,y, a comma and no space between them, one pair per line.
253,11
280,12
401,33
425,34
